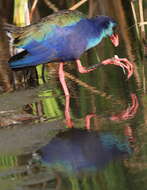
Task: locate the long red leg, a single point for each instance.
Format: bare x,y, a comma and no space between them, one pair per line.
87,120
67,96
129,133
62,79
69,122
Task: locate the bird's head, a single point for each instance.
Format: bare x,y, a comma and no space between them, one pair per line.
111,32
108,26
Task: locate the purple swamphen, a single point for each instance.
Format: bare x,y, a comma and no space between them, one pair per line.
60,37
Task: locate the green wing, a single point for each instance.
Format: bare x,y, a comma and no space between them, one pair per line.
38,32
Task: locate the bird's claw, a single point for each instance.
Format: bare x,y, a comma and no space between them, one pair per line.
123,63
129,113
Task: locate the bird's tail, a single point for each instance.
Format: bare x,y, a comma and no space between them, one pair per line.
24,59
16,61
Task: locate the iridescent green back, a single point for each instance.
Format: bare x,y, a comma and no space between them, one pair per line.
46,27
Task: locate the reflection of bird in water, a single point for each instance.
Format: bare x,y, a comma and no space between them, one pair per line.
77,150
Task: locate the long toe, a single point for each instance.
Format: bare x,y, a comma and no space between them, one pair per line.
124,63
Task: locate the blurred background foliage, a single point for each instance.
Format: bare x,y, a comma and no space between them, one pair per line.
102,92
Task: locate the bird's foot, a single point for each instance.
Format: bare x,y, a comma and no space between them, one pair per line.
122,62
129,113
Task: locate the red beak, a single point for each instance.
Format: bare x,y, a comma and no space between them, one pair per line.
115,39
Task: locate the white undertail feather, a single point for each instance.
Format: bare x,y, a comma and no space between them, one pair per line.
13,50
11,40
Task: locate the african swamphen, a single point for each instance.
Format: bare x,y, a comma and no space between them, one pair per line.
60,37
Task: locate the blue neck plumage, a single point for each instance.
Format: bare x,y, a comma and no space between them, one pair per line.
94,41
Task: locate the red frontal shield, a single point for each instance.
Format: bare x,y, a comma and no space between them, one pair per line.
115,39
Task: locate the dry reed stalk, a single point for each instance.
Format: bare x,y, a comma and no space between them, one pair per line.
77,5
142,23
141,19
135,19
33,8
51,5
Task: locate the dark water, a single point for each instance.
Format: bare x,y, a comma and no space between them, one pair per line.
39,152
